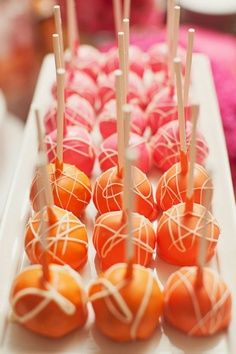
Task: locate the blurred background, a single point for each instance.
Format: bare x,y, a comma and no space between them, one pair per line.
25,36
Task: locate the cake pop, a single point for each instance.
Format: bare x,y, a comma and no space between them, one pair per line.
165,145
108,192
179,233
197,310
78,148
53,309
108,152
106,89
138,303
66,236
163,109
110,233
137,61
78,112
127,299
71,188
107,120
89,60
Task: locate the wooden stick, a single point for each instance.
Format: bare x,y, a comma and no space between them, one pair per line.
117,15
73,33
181,116
56,50
121,50
175,38
126,63
60,113
43,227
192,158
188,65
203,242
120,123
58,25
126,118
48,195
128,205
169,28
127,7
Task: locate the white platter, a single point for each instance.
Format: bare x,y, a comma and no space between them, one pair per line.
15,339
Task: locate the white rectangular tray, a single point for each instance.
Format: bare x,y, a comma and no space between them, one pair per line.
15,339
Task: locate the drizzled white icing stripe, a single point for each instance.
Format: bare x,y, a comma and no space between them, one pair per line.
211,321
141,236
47,295
64,226
123,313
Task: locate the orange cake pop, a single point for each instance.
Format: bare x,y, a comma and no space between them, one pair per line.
127,299
179,233
180,228
109,237
53,308
71,188
197,310
171,188
67,241
108,192
126,309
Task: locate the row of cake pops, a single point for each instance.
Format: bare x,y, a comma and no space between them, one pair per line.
127,298
79,147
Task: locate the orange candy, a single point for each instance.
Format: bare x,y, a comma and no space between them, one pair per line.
108,192
53,309
110,235
66,236
71,188
172,186
179,234
126,309
198,310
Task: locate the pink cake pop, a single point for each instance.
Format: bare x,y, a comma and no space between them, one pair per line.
78,112
80,83
89,59
108,156
163,109
78,149
107,120
158,57
137,60
155,83
106,89
165,145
